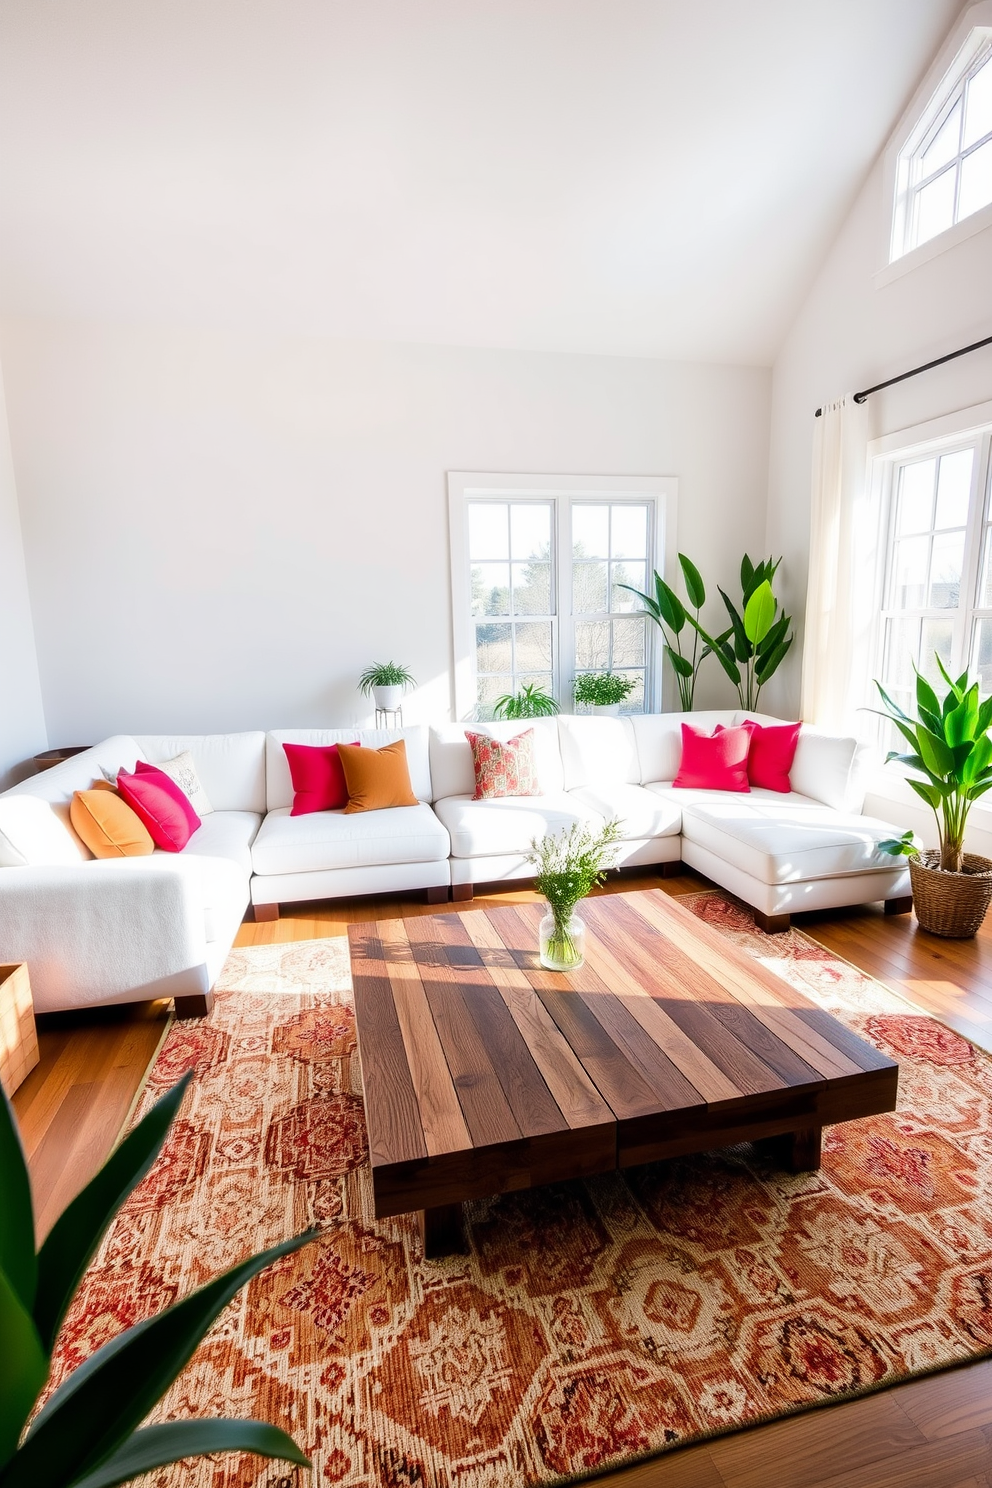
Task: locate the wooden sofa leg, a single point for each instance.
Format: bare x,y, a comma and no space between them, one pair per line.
461,892
197,1005
438,894
899,906
771,924
671,870
265,912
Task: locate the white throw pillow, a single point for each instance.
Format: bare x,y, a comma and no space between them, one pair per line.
183,771
32,836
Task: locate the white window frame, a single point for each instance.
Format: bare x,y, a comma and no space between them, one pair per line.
940,436
933,99
465,486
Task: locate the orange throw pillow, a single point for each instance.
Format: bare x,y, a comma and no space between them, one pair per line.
107,825
376,778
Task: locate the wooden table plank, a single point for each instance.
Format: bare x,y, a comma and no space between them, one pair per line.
392,1111
440,1112
575,1094
771,999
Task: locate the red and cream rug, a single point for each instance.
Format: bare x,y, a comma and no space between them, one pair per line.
593,1323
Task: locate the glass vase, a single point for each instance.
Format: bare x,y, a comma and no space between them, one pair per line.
563,942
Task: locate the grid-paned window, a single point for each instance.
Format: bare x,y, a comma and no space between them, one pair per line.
946,175
547,595
937,589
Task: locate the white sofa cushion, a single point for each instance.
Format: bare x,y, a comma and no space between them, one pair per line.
279,782
658,737
333,839
508,824
230,766
780,839
119,752
643,812
32,836
597,751
452,772
226,834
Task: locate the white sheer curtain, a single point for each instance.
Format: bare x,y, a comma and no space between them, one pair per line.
843,560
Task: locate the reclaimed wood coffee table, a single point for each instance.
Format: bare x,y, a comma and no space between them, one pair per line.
484,1073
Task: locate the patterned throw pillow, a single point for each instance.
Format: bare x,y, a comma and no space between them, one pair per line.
183,771
503,769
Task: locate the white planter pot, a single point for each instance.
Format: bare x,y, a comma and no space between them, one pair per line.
606,710
388,698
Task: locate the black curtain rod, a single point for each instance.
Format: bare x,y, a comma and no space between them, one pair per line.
915,371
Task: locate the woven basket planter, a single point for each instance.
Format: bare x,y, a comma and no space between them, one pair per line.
951,904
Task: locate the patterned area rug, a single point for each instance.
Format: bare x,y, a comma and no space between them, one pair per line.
593,1323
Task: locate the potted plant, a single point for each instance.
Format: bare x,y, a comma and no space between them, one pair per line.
951,749
603,692
386,683
759,636
670,615
530,702
568,865
88,1434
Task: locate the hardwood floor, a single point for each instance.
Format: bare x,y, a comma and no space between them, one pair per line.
930,1433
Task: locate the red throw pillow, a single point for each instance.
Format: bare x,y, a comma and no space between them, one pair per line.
714,763
161,805
318,779
503,769
773,748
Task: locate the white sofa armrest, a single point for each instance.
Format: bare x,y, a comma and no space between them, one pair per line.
106,931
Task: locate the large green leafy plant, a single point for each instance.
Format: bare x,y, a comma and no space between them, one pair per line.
88,1434
759,635
951,748
671,616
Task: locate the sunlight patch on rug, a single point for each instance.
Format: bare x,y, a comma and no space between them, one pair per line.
593,1323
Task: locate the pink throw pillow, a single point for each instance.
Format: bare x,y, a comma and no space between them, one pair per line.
713,763
773,748
318,778
503,769
159,803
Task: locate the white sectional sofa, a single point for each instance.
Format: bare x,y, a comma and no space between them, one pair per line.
114,931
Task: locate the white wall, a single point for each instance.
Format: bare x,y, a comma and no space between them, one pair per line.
854,331
222,531
22,720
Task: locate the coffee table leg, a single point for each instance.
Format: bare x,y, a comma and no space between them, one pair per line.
442,1231
805,1149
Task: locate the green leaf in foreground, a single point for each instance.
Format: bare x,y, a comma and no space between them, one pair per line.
157,1446
73,1239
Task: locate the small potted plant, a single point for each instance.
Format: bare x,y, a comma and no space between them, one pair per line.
530,702
568,865
951,749
603,692
386,683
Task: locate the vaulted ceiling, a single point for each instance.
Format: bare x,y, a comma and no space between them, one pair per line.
645,177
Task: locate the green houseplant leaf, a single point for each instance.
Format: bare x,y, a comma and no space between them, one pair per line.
694,585
157,1446
73,1239
23,1369
102,1402
17,1258
759,613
